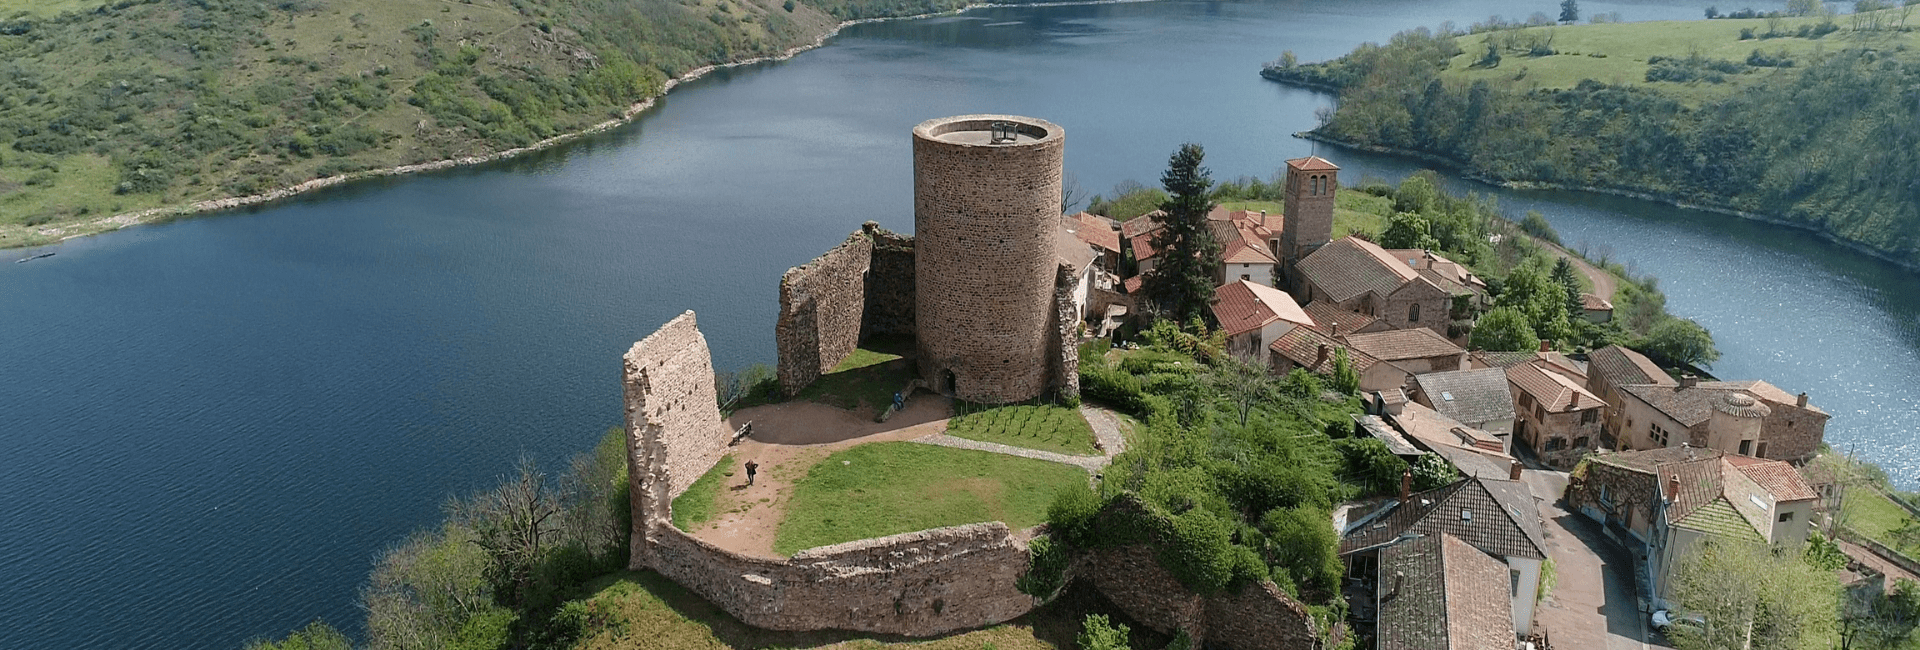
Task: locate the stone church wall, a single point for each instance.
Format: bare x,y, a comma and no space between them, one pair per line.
822,308
915,584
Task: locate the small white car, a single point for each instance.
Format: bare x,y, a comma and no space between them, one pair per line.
1664,621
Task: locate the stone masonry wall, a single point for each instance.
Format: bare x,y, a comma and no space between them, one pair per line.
890,285
1258,617
674,431
1064,345
822,305
917,584
1792,433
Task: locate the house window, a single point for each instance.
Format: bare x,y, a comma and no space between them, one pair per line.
1513,578
1556,444
1526,401
1580,442
1785,516
1540,413
1588,416
1746,447
1606,498
1256,342
1760,450
1658,434
1244,276
1413,313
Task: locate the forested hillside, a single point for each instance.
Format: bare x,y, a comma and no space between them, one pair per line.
111,108
1813,120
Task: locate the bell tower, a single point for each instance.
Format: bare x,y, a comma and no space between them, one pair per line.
1308,213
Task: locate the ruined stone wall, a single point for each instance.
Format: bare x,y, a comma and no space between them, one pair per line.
915,584
674,431
1064,345
986,219
890,285
1258,617
822,306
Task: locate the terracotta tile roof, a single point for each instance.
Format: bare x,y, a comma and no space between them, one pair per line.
1498,517
1592,302
1552,390
1691,406
1623,367
1275,223
1132,284
1445,595
1325,314
1143,247
1780,479
1301,345
1142,224
1246,250
1350,266
1720,518
1095,230
1396,345
1502,359
1763,390
1472,396
1312,164
1072,251
1244,306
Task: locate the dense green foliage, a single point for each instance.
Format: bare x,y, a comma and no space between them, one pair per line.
1099,634
1825,139
1181,282
1754,597
315,636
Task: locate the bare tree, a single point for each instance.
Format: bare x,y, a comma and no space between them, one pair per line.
1071,194
512,523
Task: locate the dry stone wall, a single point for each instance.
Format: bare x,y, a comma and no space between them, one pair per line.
822,306
916,584
1258,617
890,285
1064,344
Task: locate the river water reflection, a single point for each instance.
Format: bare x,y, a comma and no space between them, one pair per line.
214,426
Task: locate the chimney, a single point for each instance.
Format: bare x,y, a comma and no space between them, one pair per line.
1323,356
1673,487
1333,331
1514,471
1399,578
1802,401
1406,486
1546,345
1575,404
1689,381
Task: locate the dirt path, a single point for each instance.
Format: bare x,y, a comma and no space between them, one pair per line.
1604,283
787,440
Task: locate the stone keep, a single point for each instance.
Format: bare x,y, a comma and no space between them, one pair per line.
986,205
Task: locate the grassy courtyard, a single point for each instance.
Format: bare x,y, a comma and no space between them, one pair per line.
887,488
701,501
1872,514
865,380
1046,427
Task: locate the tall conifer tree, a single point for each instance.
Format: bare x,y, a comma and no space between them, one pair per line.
1182,281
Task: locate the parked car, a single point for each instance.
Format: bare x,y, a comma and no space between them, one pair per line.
1664,621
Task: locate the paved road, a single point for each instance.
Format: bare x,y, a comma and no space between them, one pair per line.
1593,605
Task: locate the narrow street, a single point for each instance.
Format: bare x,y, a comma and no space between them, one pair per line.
1593,604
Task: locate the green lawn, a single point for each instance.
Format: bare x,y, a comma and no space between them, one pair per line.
1046,428
1352,212
1871,514
887,488
701,502
857,387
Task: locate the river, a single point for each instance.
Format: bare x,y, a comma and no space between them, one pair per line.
214,426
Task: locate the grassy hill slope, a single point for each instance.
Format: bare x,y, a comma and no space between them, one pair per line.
111,108
1812,121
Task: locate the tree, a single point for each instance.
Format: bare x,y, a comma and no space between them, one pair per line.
513,523
1679,341
1876,620
1504,329
1300,545
1713,12
1346,380
1432,471
1181,283
1408,230
1754,597
1098,634
1804,7
1569,11
315,636
1569,281
1244,384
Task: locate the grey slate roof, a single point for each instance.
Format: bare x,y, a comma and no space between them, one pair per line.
1623,367
1479,396
1498,517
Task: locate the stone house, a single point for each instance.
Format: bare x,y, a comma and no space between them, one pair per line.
1496,517
1359,276
1612,367
1557,418
1254,315
1444,273
1663,501
1417,351
1331,320
1472,451
1102,234
1137,236
1481,399
1305,347
1750,418
1244,252
1431,592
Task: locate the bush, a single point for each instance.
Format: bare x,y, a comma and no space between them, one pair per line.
1070,517
1097,633
1046,569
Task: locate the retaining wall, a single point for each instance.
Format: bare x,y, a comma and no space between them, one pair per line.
1258,617
822,306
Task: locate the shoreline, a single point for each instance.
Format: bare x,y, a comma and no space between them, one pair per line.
1467,172
69,231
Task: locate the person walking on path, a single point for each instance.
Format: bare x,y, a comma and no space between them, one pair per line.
751,468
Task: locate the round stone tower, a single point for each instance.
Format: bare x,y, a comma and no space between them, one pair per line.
986,211
1735,423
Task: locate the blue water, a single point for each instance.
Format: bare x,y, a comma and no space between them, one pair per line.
214,426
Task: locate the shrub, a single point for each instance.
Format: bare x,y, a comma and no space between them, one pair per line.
1046,569
1097,633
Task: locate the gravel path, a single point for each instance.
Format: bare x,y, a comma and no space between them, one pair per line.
1089,463
1106,429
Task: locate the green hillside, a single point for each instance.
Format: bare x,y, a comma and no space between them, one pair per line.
1811,120
111,108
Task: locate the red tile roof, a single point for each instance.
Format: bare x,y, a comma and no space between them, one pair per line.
1350,266
1244,306
1592,302
1096,230
1142,224
1779,478
1325,314
1133,284
1143,247
1312,164
1552,390
1623,367
1301,345
1396,345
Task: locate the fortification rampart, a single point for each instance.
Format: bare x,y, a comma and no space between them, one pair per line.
1063,353
822,309
917,584
890,285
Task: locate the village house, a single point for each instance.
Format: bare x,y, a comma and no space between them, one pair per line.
1546,358
1557,418
1750,418
1079,261
1431,595
1595,308
1305,347
1358,276
1245,252
1331,320
1611,367
1137,235
1472,451
1498,518
1416,351
1451,276
1254,315
1102,234
1481,399
1667,500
